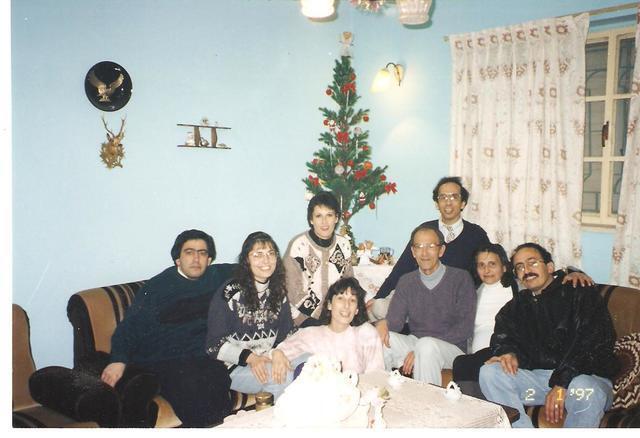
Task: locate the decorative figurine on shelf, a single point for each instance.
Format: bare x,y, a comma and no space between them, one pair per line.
196,140
364,252
112,151
190,141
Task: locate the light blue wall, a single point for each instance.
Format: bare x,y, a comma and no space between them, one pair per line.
256,65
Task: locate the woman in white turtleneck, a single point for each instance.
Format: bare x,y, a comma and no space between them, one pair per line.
497,287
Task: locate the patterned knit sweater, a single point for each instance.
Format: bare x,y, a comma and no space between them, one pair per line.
234,333
311,269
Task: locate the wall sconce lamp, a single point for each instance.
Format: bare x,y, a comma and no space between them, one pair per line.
386,77
317,8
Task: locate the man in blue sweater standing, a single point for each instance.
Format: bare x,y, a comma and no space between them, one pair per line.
461,237
439,303
164,331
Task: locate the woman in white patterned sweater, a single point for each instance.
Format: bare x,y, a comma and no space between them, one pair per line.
250,315
316,259
345,335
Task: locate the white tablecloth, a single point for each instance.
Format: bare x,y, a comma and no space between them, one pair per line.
414,404
371,277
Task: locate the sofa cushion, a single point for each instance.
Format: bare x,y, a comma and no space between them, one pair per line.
626,385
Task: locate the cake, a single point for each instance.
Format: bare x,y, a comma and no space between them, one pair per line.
321,396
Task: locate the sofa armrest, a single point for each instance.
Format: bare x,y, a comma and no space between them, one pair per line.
77,395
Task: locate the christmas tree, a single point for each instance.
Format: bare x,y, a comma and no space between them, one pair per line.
343,165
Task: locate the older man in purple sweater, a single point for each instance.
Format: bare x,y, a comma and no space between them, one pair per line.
439,303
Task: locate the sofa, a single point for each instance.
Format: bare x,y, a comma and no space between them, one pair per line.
94,314
32,393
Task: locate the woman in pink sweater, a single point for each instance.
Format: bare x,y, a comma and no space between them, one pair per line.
345,334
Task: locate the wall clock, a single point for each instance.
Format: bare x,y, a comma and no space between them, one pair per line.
108,86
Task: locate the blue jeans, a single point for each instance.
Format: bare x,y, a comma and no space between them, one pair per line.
587,397
243,380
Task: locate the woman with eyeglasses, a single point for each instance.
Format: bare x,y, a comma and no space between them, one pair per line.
249,315
316,259
345,333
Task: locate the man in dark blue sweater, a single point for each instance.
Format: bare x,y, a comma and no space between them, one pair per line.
461,237
164,331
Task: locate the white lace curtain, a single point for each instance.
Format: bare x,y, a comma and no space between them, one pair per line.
517,131
626,247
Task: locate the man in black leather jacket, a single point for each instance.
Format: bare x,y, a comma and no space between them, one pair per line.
552,346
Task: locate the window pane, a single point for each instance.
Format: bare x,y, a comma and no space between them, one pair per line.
626,58
596,61
622,120
593,133
591,187
616,182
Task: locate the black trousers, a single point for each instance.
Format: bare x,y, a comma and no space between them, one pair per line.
467,366
196,388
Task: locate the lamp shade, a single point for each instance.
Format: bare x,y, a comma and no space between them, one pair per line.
413,12
382,81
317,8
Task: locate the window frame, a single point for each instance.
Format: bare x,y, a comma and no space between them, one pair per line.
605,219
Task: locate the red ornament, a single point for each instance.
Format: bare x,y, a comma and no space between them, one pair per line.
367,165
325,122
365,147
342,137
365,118
372,205
314,181
350,163
315,161
383,178
349,86
391,187
359,174
328,92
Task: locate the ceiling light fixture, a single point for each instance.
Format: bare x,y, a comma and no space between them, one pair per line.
413,12
317,8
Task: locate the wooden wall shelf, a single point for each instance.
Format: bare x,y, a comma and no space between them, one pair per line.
202,143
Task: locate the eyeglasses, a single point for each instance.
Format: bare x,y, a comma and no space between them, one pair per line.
449,197
192,252
531,263
258,255
429,246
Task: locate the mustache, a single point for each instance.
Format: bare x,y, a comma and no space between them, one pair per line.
529,275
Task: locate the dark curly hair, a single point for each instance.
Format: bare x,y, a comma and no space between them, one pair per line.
464,193
244,277
546,255
327,199
339,288
507,278
192,235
